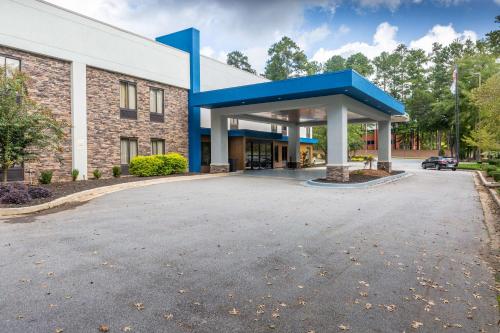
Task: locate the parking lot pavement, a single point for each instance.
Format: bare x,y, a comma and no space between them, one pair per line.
254,254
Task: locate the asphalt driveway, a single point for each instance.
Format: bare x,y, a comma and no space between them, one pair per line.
254,254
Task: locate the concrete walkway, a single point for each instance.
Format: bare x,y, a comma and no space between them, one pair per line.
254,254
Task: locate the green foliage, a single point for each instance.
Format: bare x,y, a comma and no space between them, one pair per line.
354,138
469,166
239,60
26,128
174,161
490,169
493,38
158,165
117,171
496,175
74,174
334,64
145,166
369,159
97,174
319,133
360,63
286,60
45,177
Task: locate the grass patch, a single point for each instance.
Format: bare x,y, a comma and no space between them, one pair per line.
469,166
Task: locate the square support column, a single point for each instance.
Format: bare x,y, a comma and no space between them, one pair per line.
337,168
384,146
79,118
218,143
293,147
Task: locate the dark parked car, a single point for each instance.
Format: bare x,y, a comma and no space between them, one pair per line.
440,162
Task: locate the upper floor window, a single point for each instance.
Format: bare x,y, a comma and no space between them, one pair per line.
308,132
274,128
284,130
233,123
10,65
128,100
156,100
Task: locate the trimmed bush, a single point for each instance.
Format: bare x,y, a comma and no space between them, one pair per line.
97,173
37,192
490,169
175,161
496,176
117,171
145,166
16,193
158,165
74,174
45,177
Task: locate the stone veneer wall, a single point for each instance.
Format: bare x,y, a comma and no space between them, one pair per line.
105,127
50,85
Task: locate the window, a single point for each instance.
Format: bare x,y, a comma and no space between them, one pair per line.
308,132
128,100
284,130
157,147
10,65
205,153
233,123
274,128
284,153
128,150
156,104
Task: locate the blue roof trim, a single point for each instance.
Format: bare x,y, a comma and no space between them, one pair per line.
347,82
258,135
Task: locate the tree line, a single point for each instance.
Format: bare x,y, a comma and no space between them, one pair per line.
422,82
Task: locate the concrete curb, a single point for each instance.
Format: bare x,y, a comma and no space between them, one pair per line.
87,195
371,183
486,183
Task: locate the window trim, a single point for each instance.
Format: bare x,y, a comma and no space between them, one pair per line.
129,138
157,140
151,88
14,58
127,113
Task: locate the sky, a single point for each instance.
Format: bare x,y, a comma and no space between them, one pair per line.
322,28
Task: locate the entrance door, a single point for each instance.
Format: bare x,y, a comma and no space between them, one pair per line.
259,155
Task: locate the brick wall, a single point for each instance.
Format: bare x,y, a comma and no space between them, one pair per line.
50,85
105,126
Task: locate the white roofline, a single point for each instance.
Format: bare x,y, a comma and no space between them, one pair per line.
106,24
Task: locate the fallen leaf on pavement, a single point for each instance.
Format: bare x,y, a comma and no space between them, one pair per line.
416,324
344,327
234,312
139,306
103,328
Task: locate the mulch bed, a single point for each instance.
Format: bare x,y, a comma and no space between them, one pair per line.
66,188
361,176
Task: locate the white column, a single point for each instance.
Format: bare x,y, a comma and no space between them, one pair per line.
337,168
79,118
294,147
218,143
384,146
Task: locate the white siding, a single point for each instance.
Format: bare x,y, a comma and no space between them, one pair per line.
38,27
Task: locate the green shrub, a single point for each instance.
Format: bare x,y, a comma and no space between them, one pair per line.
97,173
176,162
158,165
45,177
117,171
74,174
494,162
490,169
145,166
485,166
496,176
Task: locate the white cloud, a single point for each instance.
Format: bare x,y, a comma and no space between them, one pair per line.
497,2
384,39
224,24
390,4
443,34
314,36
